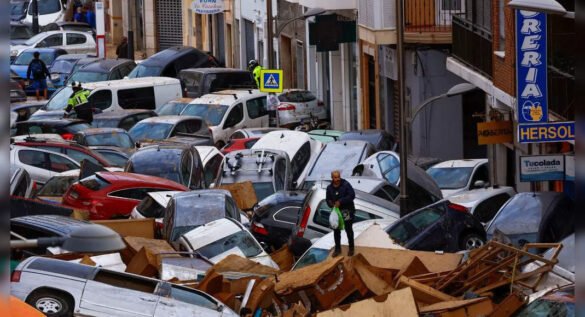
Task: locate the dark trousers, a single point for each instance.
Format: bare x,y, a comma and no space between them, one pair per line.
348,231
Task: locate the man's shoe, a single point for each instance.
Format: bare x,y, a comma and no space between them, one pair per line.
350,252
336,253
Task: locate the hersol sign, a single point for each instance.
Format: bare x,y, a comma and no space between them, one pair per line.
531,70
207,6
542,168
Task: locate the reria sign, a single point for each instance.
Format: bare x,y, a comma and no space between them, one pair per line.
531,67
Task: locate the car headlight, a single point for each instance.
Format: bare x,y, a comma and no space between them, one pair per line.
13,52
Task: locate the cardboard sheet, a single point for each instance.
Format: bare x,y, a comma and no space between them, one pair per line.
399,303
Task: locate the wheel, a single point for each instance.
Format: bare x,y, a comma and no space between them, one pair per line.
219,145
471,241
51,303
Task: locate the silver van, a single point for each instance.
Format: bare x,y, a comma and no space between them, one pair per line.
313,220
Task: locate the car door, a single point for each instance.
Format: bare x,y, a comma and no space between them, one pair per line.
257,115
183,301
481,173
233,121
76,43
53,41
119,294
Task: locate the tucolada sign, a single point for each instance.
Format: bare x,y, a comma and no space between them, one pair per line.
207,6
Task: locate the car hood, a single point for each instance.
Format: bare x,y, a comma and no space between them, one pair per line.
17,42
18,48
20,70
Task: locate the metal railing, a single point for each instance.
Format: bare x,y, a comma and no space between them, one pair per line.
472,45
431,15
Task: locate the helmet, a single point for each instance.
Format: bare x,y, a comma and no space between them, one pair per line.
252,64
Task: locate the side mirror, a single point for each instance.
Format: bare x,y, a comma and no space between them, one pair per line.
480,184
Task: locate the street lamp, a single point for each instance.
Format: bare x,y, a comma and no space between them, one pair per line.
544,6
309,13
91,238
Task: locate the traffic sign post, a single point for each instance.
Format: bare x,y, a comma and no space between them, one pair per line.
271,80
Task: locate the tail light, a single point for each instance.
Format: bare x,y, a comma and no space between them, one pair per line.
320,104
304,221
34,186
259,228
287,107
67,136
458,208
15,277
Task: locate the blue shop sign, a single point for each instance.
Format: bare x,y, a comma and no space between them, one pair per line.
546,132
531,67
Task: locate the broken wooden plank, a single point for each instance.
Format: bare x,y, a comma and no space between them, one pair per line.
423,293
377,280
508,306
460,308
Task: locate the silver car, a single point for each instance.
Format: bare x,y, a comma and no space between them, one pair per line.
40,164
313,221
296,105
61,288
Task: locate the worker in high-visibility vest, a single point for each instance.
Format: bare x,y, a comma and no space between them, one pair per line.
255,68
79,102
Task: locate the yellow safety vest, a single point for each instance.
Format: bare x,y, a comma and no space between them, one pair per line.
78,98
256,73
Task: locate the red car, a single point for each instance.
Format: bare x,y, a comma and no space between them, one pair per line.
110,195
75,151
239,144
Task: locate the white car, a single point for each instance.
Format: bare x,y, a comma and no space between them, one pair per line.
40,164
229,110
460,175
74,42
483,203
49,11
220,238
62,288
302,150
298,104
21,184
153,206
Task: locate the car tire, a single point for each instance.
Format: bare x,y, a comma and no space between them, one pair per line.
471,241
219,145
51,303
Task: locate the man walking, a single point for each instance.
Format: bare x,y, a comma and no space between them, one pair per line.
78,102
38,69
340,194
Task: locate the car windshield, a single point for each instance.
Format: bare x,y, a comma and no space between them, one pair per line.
335,156
450,177
62,67
548,307
46,7
213,114
105,123
88,77
241,240
518,207
150,131
263,190
149,208
59,99
17,7
114,158
409,227
172,108
20,32
162,167
57,186
33,40
118,139
312,256
145,71
26,57
76,127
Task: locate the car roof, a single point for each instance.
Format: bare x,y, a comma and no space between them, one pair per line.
55,223
286,140
104,65
247,167
207,70
73,56
45,50
51,122
473,197
166,56
120,113
92,131
155,81
200,237
460,163
335,149
228,96
173,119
115,177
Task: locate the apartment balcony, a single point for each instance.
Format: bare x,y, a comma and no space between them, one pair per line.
472,45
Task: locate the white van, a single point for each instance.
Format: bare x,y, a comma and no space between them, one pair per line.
148,93
49,11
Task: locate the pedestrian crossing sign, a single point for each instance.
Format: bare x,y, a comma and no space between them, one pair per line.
271,80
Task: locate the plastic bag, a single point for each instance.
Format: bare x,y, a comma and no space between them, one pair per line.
336,219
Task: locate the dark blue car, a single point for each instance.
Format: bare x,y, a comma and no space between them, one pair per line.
64,66
47,55
441,226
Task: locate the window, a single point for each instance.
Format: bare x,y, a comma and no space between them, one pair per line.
33,158
242,240
323,211
57,186
186,165
137,98
135,193
78,156
280,174
73,39
125,281
250,144
212,168
481,174
383,194
390,167
193,297
487,209
256,107
101,99
115,74
235,116
149,208
451,5
189,126
60,164
287,214
94,182
127,123
313,256
300,160
22,185
53,40
231,209
115,159
407,228
307,96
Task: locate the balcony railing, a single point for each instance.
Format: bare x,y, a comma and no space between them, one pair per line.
431,15
472,45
